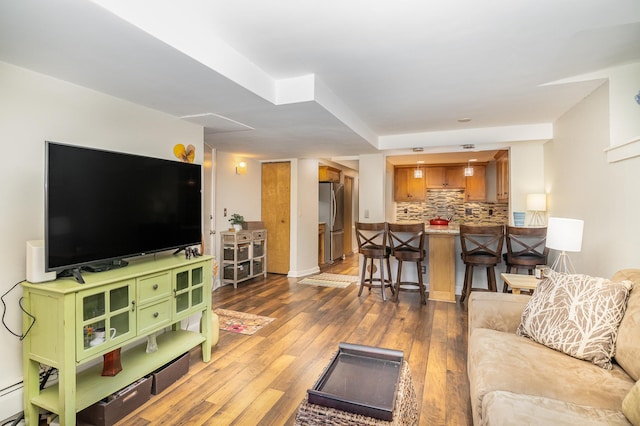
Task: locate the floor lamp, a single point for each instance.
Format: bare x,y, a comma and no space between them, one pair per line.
565,235
537,203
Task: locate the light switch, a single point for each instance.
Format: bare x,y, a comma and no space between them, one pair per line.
366,213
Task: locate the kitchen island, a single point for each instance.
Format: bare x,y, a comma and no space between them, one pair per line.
442,261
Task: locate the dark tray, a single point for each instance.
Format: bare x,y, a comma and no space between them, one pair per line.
361,380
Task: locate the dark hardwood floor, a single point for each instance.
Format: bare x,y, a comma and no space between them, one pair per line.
261,379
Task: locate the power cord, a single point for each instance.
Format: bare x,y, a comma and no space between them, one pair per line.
4,312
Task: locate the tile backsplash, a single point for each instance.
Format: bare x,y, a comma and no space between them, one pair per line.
445,203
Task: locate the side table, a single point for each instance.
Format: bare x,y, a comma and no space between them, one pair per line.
519,282
404,413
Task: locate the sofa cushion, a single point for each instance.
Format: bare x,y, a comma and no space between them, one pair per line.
500,408
631,405
628,343
504,361
577,314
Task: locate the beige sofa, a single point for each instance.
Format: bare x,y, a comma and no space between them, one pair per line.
515,381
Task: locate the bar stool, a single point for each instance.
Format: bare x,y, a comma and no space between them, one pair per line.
481,246
526,248
372,244
407,245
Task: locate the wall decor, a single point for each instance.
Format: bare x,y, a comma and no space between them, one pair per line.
186,155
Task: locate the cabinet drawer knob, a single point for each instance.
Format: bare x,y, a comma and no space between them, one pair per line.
155,315
155,286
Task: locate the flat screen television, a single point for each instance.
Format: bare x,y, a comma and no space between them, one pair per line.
102,207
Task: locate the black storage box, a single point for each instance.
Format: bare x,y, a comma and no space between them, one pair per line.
243,271
257,266
243,252
258,248
166,375
116,407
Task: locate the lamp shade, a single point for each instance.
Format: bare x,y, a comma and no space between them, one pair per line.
564,234
537,202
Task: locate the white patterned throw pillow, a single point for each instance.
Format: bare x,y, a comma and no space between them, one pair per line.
576,314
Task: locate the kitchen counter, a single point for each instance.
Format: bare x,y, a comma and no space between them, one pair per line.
452,229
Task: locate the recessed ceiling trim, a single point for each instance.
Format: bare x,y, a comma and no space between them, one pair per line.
216,123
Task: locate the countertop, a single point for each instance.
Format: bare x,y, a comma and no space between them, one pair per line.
452,229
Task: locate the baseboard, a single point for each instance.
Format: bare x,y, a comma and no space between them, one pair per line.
304,273
11,400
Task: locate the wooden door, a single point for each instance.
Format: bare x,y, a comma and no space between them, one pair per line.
348,215
276,215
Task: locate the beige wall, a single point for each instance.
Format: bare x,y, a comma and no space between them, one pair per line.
35,108
582,184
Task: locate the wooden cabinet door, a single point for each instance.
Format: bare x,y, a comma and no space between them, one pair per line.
435,177
454,177
502,176
476,188
276,215
445,177
407,187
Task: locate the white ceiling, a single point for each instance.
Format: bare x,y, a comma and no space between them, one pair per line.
304,78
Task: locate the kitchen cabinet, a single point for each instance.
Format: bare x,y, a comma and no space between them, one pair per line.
406,187
445,177
502,175
328,174
476,186
68,324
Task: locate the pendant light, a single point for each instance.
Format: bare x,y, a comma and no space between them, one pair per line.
417,173
468,171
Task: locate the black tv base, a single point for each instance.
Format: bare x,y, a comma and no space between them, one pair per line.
95,267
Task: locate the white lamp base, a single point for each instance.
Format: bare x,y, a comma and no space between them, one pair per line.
563,264
536,219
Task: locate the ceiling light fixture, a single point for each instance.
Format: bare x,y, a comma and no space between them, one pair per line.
417,173
464,120
468,171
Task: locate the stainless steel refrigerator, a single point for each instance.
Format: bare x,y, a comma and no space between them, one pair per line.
331,204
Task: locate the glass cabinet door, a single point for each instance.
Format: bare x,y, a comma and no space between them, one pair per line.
189,290
105,317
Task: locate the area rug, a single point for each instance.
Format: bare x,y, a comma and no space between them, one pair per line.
241,322
330,280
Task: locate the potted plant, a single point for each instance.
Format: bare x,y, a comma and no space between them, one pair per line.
236,220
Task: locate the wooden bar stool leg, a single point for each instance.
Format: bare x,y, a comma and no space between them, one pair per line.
466,290
423,297
364,276
491,275
398,280
390,276
382,286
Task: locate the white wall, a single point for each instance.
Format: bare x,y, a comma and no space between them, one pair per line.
35,108
304,256
372,188
624,84
526,175
583,185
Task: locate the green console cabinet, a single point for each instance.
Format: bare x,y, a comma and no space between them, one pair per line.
78,323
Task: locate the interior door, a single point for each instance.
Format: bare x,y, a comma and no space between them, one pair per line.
276,215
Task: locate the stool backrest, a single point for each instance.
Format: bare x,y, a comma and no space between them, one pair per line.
527,242
481,240
406,236
371,234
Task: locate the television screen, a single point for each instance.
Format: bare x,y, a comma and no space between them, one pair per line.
102,206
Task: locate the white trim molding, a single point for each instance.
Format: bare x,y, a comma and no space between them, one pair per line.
623,151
